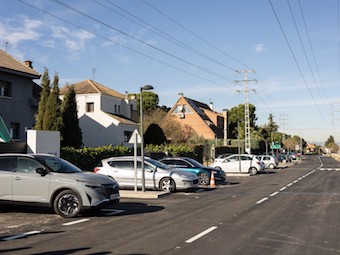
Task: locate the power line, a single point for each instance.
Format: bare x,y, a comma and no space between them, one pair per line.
194,34
121,45
141,41
160,33
295,60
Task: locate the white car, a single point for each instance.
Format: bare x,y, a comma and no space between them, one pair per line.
269,161
157,174
249,164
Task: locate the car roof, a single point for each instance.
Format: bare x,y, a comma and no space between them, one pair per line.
124,158
31,155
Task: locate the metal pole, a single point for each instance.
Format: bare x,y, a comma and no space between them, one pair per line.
142,137
239,145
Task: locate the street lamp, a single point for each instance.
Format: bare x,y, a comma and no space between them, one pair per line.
146,87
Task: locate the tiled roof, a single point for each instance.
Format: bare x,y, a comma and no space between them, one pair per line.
89,87
10,64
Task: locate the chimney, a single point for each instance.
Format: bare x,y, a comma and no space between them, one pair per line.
28,63
211,105
180,94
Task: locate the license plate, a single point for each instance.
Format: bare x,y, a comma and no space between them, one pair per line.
114,196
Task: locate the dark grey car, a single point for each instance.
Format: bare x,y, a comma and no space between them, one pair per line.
51,181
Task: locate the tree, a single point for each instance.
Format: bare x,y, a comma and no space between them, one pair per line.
52,118
330,140
154,135
45,84
237,114
150,101
71,134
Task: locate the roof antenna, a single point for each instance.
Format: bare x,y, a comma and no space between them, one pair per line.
6,43
93,71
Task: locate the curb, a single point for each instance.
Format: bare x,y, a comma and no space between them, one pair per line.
141,194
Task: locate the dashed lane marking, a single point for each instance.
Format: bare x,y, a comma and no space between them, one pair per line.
75,222
20,235
205,232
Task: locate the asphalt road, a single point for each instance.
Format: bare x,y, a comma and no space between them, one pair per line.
286,211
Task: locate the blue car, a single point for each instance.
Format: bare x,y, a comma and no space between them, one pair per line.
191,165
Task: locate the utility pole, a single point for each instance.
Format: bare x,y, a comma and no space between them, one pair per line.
283,122
246,108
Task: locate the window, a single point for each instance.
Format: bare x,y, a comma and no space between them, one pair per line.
115,108
26,165
6,164
15,130
118,108
127,136
5,89
89,107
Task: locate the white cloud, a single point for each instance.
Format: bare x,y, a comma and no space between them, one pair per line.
259,47
21,29
73,40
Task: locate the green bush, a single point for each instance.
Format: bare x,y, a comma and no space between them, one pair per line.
87,158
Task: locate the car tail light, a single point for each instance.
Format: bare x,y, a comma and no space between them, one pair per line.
96,169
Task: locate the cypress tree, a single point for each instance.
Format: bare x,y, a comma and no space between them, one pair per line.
45,84
52,118
71,134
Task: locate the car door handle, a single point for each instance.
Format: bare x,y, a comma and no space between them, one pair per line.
17,178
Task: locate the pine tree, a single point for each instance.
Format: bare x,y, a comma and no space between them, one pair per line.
45,84
71,134
52,118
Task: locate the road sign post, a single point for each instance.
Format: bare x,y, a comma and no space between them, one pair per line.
135,139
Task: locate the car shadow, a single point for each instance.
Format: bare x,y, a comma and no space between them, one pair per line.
123,209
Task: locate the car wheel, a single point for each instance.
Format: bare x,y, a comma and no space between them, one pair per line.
168,185
253,171
67,204
271,166
203,179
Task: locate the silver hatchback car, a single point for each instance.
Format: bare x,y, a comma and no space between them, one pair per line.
157,175
51,181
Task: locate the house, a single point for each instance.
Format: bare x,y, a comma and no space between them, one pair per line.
202,118
105,115
19,95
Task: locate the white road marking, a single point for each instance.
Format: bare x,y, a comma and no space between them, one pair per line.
262,200
273,194
21,235
283,188
205,232
75,222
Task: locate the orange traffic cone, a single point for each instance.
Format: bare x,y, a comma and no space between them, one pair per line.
212,180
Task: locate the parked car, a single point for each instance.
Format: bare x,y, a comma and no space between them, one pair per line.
248,164
157,174
191,165
269,161
51,181
221,157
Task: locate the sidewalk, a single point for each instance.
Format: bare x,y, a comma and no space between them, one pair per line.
140,194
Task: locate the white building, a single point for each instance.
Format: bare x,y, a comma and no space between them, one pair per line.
105,115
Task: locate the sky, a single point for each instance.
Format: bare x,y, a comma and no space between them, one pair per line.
287,50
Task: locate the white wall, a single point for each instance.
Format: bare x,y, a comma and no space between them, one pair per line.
39,141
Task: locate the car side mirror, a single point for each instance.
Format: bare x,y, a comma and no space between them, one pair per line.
41,171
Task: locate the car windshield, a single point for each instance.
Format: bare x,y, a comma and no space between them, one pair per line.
194,162
157,163
58,165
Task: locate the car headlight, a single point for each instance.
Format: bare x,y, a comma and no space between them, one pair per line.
96,188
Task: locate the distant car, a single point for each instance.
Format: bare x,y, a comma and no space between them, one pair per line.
248,164
191,165
157,174
51,181
269,161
